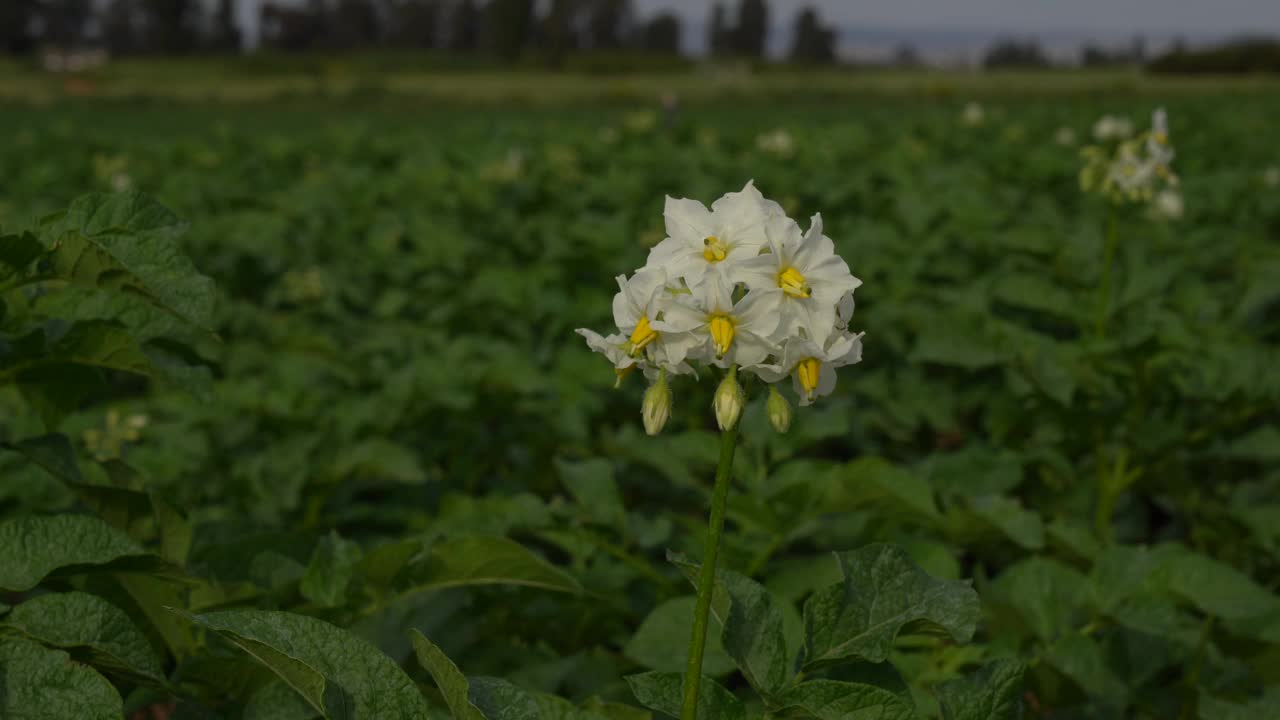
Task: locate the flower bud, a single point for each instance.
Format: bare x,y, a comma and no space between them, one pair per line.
729,400
779,410
657,405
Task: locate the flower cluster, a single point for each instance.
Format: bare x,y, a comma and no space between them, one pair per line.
973,115
1112,127
1136,170
741,287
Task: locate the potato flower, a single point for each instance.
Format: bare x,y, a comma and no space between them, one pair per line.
737,287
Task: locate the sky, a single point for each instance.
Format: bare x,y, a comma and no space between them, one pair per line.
1129,16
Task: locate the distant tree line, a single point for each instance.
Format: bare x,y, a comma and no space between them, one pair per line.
504,28
1243,55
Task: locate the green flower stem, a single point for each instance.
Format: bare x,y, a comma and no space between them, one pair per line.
707,583
1104,288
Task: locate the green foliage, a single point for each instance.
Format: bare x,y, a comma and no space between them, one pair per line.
882,593
43,683
245,501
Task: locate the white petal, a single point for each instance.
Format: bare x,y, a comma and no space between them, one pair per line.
759,311
757,273
678,316
625,313
688,221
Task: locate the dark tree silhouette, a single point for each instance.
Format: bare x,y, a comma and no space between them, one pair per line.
662,34
414,23
289,28
720,35
169,26
120,27
560,30
607,22
753,27
64,21
354,24
1012,53
464,27
225,34
509,23
16,31
812,42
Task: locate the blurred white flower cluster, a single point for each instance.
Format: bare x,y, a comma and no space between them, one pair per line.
778,142
973,115
741,287
1111,128
1135,170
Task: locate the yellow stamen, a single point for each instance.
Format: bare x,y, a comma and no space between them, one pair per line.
722,333
792,283
714,249
642,336
808,370
622,373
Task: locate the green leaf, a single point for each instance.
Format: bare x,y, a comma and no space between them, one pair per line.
1008,516
597,709
380,459
329,572
1266,707
875,480
662,691
497,699
662,640
339,674
835,700
485,560
452,683
1046,594
92,344
1174,571
17,253
174,529
80,621
883,593
975,471
752,626
277,701
1082,660
53,453
127,240
33,547
1215,587
43,684
592,485
992,693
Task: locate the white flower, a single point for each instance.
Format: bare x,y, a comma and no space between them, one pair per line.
729,333
1111,127
638,309
973,114
813,366
1065,136
1137,169
779,142
844,311
1167,205
811,279
740,287
614,348
701,242
1271,176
